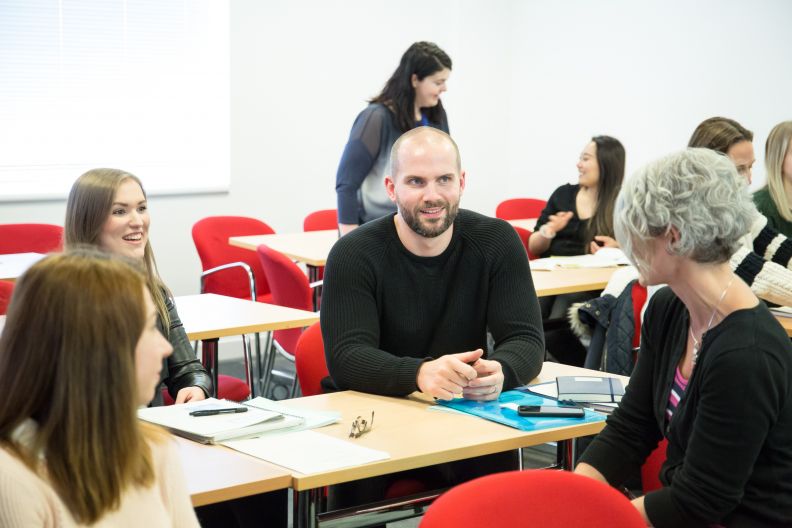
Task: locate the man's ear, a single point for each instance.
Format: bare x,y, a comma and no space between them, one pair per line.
461,181
390,187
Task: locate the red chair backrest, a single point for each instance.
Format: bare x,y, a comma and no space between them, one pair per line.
520,208
211,240
650,470
534,498
30,238
321,220
309,358
228,388
289,287
6,289
525,234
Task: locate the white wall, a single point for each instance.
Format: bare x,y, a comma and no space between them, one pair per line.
532,81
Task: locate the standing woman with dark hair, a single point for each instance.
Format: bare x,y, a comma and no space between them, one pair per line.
79,353
107,208
774,200
410,98
578,218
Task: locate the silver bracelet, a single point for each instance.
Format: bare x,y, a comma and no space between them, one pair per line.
546,232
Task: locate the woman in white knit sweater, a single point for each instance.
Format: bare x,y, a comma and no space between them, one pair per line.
764,261
79,353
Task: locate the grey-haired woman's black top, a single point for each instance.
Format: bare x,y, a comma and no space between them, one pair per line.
729,456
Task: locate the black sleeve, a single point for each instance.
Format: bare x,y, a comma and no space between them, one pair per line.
359,155
184,369
558,201
351,329
513,315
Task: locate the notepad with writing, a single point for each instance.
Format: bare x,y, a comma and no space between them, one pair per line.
589,389
211,429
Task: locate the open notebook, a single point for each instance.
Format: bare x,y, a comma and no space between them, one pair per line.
262,416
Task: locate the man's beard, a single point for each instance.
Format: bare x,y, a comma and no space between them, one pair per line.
429,229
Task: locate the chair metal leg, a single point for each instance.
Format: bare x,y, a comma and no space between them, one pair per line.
248,364
268,366
209,357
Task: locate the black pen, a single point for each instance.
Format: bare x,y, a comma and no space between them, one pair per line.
212,412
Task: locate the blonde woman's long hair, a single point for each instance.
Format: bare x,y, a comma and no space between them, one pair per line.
88,208
776,149
67,361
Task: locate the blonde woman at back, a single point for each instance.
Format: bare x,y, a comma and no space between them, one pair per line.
774,200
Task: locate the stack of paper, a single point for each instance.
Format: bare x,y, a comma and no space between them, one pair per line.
308,451
262,416
604,258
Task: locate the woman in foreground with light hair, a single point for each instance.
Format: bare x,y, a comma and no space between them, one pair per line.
79,353
714,374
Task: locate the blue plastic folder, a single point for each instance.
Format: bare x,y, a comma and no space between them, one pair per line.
504,411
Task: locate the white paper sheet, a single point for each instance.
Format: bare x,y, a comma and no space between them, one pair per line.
308,451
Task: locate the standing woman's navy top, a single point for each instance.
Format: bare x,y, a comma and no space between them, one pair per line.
361,172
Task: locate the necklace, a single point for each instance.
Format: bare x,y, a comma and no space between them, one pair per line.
711,319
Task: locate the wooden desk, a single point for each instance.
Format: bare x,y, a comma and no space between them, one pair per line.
786,323
217,474
525,223
208,317
12,265
311,247
435,437
560,281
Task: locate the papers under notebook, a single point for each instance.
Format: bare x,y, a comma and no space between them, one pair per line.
589,389
604,258
262,416
307,451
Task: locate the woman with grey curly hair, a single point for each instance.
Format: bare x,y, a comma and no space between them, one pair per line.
714,375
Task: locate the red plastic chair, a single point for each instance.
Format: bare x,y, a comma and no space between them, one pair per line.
228,388
515,208
309,359
227,269
321,220
290,287
6,289
533,498
30,238
650,471
525,235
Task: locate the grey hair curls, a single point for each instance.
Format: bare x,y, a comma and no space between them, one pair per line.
698,192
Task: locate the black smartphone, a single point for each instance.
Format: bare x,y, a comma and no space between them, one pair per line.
548,410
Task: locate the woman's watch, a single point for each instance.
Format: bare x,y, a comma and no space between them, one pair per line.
546,232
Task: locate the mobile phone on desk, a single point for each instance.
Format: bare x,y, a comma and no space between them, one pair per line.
534,411
211,410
